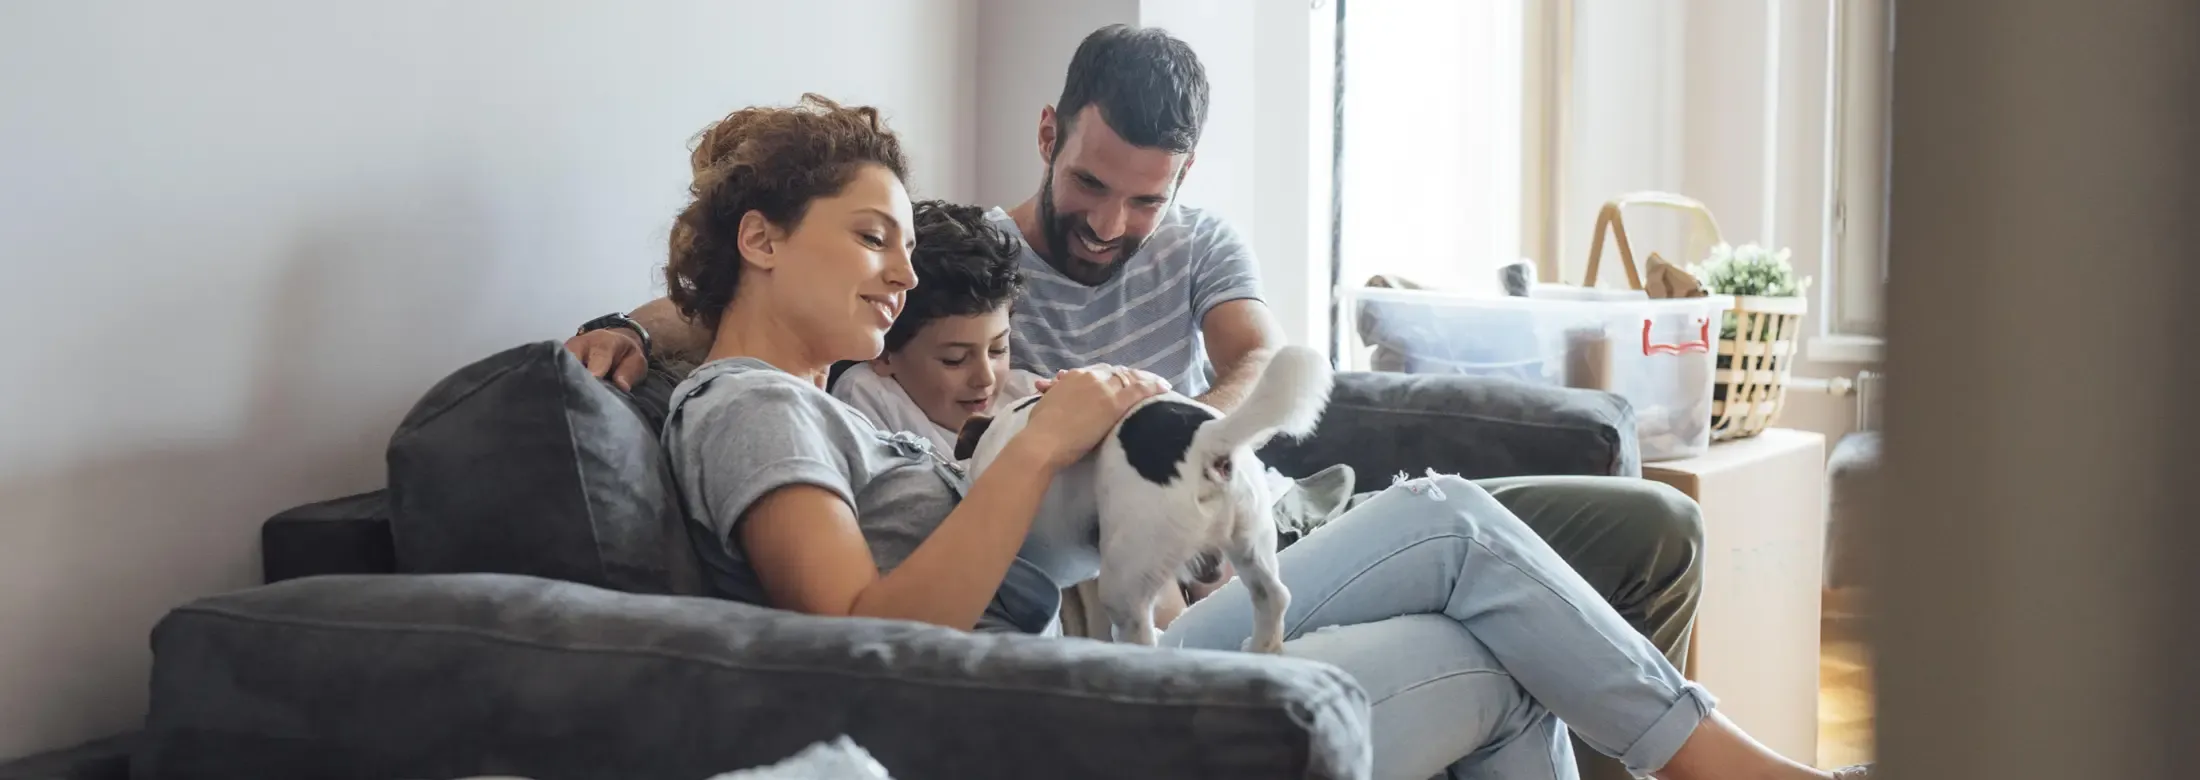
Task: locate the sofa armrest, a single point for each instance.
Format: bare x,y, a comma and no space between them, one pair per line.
1383,423
488,674
348,535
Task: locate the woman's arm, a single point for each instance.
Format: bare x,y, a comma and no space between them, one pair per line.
811,556
809,551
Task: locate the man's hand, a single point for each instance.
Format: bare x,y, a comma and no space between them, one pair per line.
611,353
616,353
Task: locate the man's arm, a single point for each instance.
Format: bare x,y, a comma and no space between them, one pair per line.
616,353
1240,336
673,336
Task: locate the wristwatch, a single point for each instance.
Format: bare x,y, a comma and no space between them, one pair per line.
618,320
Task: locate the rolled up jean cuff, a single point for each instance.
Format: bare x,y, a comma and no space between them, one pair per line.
1656,746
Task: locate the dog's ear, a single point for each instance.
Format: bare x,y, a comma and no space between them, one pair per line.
966,442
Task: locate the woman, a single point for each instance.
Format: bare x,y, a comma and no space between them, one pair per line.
1470,636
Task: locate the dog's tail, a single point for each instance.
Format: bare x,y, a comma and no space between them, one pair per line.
1287,400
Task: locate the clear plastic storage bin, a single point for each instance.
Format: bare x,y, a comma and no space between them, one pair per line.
1657,354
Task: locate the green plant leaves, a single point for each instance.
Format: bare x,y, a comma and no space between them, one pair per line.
1748,269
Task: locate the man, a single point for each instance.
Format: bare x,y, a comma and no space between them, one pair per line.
1118,272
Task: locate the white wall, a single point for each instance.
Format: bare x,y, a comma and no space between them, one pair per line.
1295,48
1221,32
240,237
1023,50
1625,115
1254,166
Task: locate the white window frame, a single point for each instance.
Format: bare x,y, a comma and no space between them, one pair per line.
1546,71
1857,155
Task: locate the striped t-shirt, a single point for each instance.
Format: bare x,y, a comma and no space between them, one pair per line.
1147,316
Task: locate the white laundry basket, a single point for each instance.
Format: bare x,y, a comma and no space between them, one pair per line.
1656,354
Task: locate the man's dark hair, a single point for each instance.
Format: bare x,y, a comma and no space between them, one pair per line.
965,265
1149,86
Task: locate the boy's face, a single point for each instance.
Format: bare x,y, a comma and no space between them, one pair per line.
952,367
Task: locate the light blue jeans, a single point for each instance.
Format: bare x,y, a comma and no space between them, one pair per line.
1471,637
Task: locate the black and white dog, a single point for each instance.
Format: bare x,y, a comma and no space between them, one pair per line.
1172,491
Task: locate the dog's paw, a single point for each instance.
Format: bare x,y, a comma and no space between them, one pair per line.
1136,635
1270,645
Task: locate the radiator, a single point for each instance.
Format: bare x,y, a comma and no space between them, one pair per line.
1868,387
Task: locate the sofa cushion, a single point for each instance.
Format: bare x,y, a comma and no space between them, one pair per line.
523,463
360,676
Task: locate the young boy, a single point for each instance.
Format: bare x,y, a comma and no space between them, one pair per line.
946,357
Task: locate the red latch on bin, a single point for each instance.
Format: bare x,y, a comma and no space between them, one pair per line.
1701,344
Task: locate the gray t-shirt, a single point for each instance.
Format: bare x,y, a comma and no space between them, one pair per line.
739,429
1148,315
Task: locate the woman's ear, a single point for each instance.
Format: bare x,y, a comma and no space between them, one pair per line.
759,240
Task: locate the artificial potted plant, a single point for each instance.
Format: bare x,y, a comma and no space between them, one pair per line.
1759,337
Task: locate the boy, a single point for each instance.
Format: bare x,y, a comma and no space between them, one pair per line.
946,357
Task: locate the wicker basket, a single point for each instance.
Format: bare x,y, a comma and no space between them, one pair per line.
1703,232
1755,364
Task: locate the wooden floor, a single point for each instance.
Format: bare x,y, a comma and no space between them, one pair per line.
1844,690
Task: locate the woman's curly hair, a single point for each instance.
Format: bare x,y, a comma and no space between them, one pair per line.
965,265
774,160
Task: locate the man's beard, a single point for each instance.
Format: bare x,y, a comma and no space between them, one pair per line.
1058,229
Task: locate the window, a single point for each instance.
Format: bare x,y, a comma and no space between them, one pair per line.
1475,134
1433,126
1857,159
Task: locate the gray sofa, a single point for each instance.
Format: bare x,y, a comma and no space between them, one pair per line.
521,602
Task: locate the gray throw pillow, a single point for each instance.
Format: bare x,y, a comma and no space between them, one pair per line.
523,463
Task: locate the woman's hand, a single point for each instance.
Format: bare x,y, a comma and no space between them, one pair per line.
1080,406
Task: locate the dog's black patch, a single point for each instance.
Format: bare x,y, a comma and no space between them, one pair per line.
1024,404
1156,437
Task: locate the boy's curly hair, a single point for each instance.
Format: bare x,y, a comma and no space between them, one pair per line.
769,159
965,265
